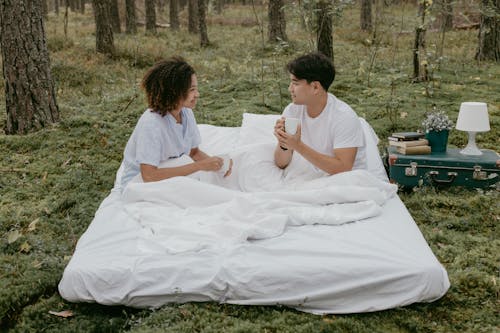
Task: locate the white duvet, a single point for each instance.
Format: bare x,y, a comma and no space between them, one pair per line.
336,244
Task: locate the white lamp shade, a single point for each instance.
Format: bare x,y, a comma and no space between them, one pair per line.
473,117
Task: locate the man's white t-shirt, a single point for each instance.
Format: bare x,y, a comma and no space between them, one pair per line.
337,126
156,139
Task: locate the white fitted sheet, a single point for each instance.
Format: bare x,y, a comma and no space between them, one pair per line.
375,264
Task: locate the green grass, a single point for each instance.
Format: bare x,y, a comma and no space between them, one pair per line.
52,181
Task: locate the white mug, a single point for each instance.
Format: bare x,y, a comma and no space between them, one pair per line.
226,162
291,125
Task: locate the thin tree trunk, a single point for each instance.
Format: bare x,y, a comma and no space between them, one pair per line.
45,9
325,29
104,31
489,31
115,16
193,16
56,6
150,16
174,14
30,97
130,17
366,15
202,24
82,7
219,4
447,15
277,22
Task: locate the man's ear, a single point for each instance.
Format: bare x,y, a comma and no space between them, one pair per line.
317,86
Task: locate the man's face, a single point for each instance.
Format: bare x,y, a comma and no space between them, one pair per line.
300,90
193,94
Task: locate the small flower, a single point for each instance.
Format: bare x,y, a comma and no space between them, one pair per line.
437,120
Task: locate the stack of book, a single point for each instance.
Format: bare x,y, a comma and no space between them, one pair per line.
410,143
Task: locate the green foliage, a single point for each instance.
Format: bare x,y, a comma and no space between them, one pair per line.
52,181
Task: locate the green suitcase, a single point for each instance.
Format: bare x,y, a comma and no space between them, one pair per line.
445,169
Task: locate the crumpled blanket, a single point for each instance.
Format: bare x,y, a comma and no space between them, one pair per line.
184,214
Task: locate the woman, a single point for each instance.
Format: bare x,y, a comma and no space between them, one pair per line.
167,129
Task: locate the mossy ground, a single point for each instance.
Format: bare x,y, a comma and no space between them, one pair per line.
52,181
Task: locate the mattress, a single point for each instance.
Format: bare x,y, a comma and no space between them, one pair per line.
373,264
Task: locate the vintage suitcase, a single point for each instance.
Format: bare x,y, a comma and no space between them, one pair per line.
444,169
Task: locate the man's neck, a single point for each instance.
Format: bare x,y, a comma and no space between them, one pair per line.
317,105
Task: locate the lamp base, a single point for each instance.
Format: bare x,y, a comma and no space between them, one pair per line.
471,148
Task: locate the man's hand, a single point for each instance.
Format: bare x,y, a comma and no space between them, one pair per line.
288,141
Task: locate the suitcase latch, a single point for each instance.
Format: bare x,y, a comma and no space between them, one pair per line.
478,174
412,170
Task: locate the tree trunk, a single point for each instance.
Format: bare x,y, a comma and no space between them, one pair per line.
150,16
104,31
115,16
447,15
420,72
219,4
193,16
325,29
182,4
161,6
30,99
366,15
277,22
202,24
174,14
56,6
489,31
45,9
130,17
82,7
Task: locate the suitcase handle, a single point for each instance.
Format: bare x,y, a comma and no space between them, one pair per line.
451,177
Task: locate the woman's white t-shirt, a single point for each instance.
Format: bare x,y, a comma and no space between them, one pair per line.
337,126
156,139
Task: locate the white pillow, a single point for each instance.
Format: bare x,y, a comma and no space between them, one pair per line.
258,128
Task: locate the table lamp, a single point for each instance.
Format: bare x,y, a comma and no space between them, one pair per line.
473,118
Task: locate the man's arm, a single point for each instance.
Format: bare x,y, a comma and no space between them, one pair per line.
342,161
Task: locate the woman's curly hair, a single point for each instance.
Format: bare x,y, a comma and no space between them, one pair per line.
167,83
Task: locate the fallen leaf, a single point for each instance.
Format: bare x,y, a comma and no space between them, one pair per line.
403,115
37,264
32,225
13,236
25,247
64,314
66,163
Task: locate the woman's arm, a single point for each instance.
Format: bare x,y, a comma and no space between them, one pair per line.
202,162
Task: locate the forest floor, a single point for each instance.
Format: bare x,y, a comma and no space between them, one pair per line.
52,181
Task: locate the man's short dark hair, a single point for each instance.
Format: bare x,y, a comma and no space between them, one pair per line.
167,83
313,67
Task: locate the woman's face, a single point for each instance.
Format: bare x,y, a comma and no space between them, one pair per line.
193,94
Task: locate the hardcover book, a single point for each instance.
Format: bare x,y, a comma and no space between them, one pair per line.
408,135
417,150
412,143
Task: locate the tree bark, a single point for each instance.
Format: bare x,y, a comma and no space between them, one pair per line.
82,7
104,31
130,17
150,16
202,24
30,97
219,4
489,31
56,6
193,16
420,72
366,15
174,14
277,22
115,16
325,28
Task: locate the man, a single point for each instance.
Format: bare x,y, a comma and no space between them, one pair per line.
330,136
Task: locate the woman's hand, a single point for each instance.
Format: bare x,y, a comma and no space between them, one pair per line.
210,163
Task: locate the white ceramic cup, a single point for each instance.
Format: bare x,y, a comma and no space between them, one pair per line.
291,125
226,162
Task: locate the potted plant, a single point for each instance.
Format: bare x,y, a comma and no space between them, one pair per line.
437,126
